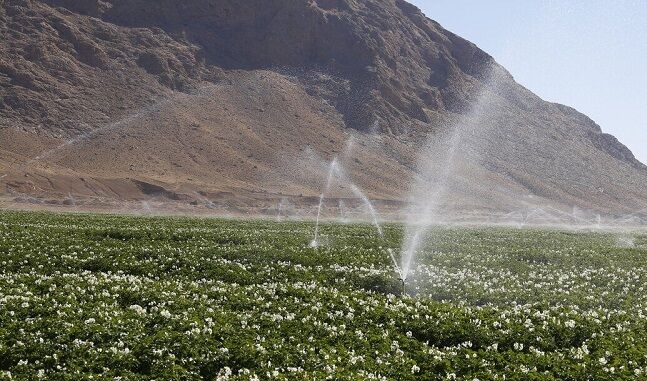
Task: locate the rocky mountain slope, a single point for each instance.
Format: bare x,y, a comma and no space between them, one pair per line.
240,105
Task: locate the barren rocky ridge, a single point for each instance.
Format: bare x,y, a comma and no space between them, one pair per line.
240,104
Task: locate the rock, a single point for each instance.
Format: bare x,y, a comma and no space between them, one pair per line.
282,69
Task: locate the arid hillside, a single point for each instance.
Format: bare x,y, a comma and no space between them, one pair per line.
238,107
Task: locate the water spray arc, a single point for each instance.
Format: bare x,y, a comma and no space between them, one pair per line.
331,172
415,232
342,211
280,209
335,171
442,161
124,122
374,217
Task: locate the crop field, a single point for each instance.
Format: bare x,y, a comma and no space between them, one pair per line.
142,298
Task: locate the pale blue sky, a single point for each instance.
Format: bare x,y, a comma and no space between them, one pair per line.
588,54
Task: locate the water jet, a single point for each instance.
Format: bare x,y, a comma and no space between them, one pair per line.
331,172
335,170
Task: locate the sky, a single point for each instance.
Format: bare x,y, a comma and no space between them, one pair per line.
587,54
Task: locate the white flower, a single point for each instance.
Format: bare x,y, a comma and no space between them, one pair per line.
224,374
415,369
602,361
139,309
165,314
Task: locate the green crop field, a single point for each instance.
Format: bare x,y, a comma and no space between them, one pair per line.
110,297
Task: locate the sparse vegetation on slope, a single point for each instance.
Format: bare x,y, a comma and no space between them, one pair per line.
218,96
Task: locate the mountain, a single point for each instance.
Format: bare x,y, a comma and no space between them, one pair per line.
239,106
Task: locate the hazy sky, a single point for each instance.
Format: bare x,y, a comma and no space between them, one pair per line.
588,54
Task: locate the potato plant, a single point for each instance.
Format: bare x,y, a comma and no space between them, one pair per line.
153,298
